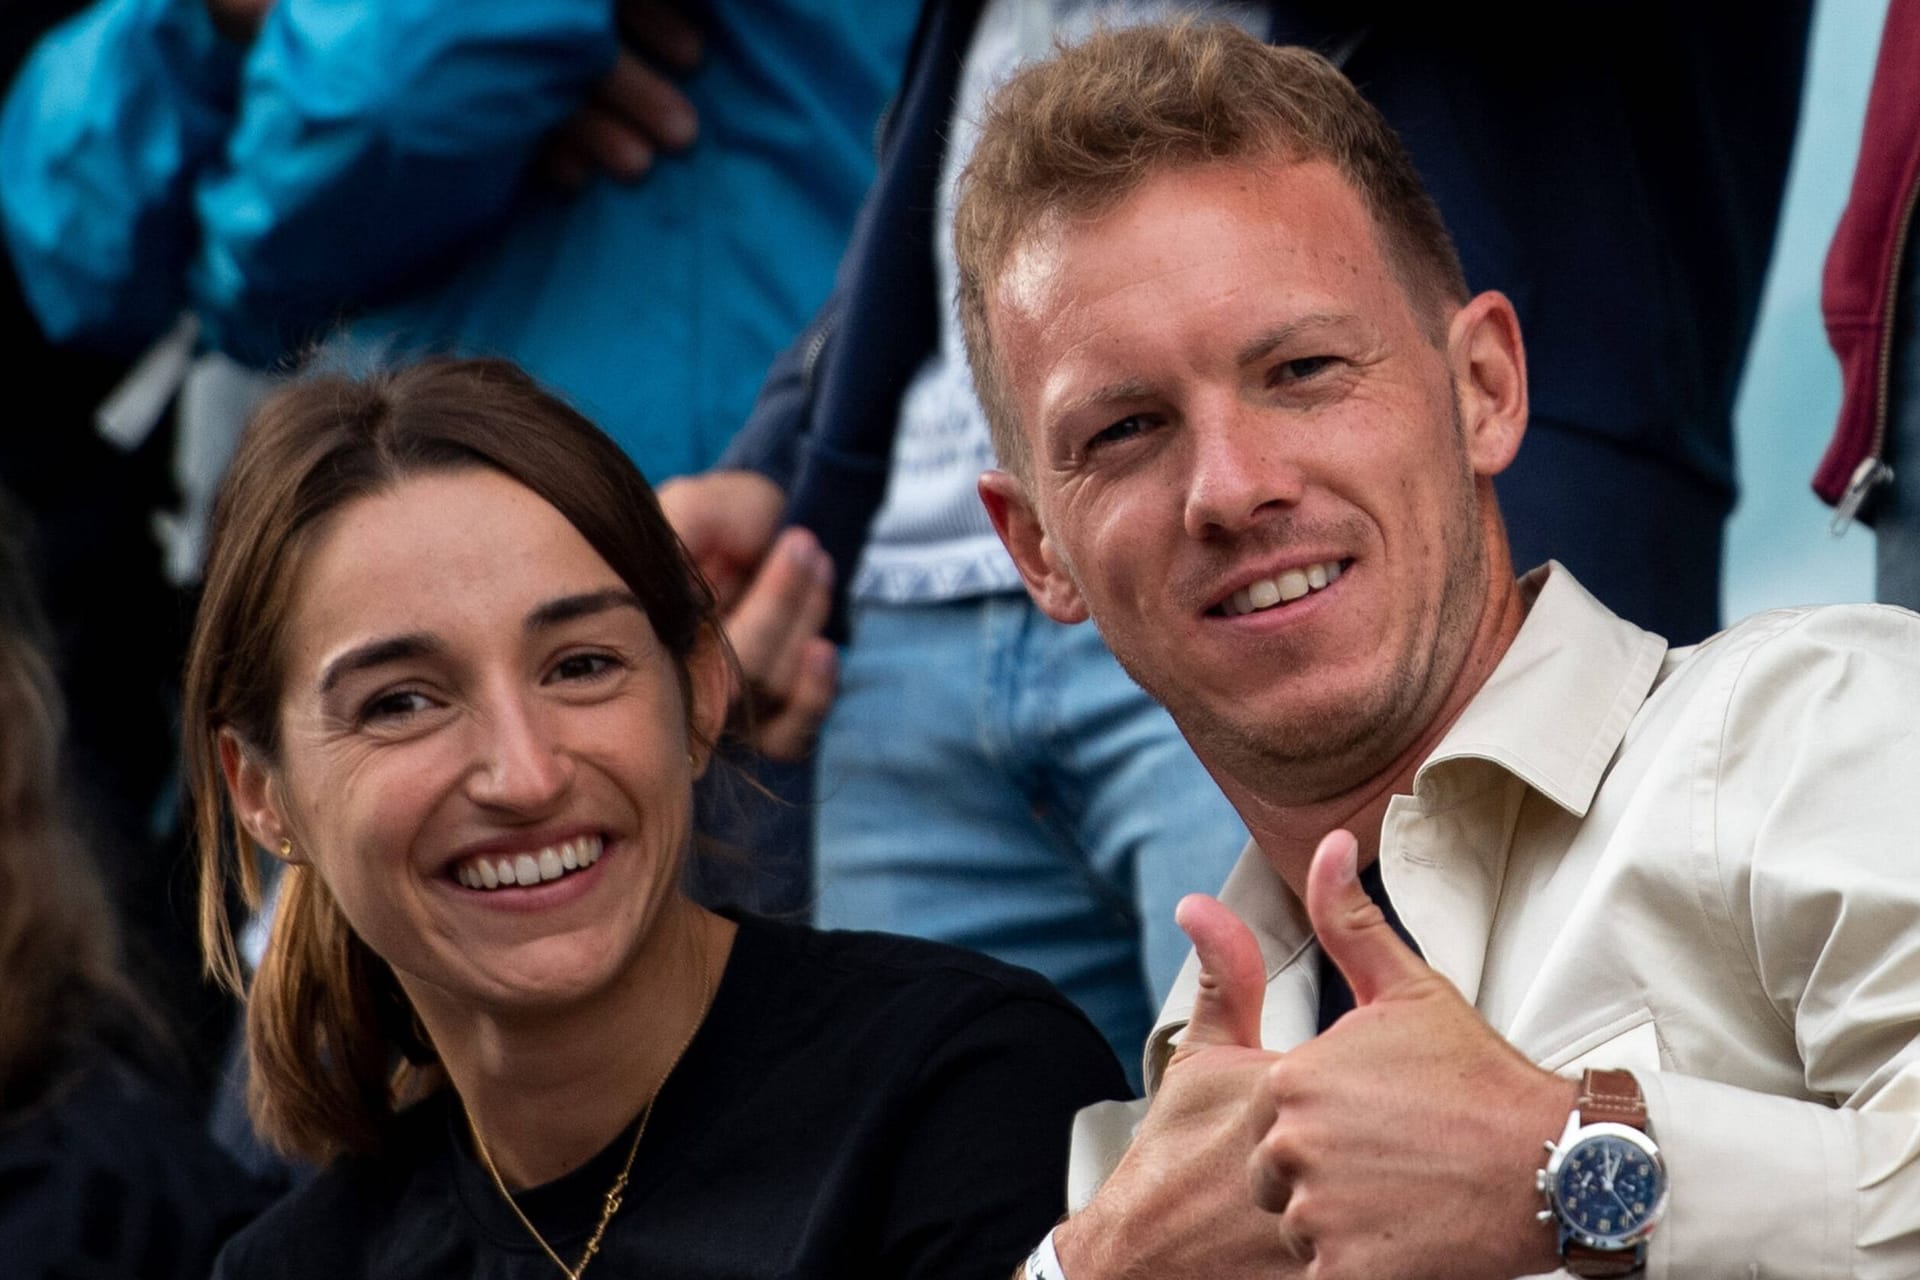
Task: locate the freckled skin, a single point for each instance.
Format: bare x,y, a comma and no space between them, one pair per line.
1345,440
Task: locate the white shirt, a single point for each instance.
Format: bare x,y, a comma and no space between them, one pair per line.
1697,864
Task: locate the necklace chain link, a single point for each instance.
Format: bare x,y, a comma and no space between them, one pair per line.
618,1190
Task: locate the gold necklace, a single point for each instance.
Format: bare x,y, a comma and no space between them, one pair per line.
619,1187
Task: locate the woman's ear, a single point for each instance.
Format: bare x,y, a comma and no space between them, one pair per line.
254,790
710,687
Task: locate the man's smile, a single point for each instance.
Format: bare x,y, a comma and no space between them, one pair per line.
1283,587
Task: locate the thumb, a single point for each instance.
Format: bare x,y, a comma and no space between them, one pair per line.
1351,927
1233,975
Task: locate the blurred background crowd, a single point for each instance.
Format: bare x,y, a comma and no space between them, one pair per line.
716,228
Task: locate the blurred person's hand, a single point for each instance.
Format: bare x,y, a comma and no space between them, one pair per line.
789,668
727,519
635,111
774,595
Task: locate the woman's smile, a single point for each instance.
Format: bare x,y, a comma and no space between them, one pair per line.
479,725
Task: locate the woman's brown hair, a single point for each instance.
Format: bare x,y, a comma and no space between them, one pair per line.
63,988
327,1024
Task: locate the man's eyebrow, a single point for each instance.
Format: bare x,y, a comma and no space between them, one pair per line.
587,603
1111,393
377,653
1291,330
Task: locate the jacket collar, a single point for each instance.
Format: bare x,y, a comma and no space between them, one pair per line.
1552,715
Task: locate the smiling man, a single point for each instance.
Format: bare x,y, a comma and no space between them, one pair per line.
1521,875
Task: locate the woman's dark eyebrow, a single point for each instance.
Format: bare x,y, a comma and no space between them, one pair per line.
567,608
377,653
419,644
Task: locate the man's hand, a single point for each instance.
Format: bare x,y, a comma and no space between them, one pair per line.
635,111
1177,1205
774,597
1401,1142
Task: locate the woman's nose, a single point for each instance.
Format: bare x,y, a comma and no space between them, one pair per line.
521,763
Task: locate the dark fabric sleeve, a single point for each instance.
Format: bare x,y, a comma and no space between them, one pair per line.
983,1164
113,1183
769,442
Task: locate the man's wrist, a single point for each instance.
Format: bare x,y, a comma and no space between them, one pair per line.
1543,1236
1081,1245
1044,1262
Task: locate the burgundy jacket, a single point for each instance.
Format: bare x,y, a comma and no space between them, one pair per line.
1864,265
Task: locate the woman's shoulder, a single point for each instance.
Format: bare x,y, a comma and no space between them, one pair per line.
850,965
868,995
324,1225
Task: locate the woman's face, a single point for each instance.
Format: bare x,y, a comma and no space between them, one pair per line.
485,750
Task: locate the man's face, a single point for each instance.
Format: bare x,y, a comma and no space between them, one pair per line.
1248,465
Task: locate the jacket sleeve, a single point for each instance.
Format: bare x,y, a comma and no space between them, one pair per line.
101,137
362,147
769,441
1813,826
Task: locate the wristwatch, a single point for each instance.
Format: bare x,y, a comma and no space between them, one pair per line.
1604,1182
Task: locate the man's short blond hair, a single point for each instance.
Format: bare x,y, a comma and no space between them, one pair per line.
1073,136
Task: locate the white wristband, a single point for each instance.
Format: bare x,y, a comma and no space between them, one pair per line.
1043,1263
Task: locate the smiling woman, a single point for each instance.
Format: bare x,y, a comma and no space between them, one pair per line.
452,668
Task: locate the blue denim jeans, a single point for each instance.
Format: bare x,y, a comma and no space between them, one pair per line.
993,779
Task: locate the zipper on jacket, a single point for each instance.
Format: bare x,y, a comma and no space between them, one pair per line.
810,357
1873,470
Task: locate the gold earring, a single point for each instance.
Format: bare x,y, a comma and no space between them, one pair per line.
285,852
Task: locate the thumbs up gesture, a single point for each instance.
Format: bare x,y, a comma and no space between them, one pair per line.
1401,1141
1177,1204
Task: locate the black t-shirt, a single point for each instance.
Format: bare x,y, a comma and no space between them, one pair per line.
854,1105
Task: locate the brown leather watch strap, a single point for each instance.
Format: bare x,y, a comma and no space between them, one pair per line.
1612,1097
1582,1261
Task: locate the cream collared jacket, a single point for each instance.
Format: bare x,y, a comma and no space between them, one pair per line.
1699,864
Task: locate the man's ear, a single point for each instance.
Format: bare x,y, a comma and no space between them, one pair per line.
710,683
255,794
1033,552
1489,367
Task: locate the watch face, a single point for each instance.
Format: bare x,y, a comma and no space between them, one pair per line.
1609,1190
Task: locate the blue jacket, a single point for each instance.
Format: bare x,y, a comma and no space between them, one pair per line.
370,160
1615,169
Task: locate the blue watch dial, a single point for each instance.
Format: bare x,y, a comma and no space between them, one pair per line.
1608,1189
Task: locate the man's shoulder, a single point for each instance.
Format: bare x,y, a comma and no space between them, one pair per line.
1838,671
1783,642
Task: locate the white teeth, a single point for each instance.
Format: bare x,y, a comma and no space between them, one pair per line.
1287,587
533,868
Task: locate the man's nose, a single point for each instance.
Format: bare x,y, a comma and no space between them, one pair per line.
520,763
1241,469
